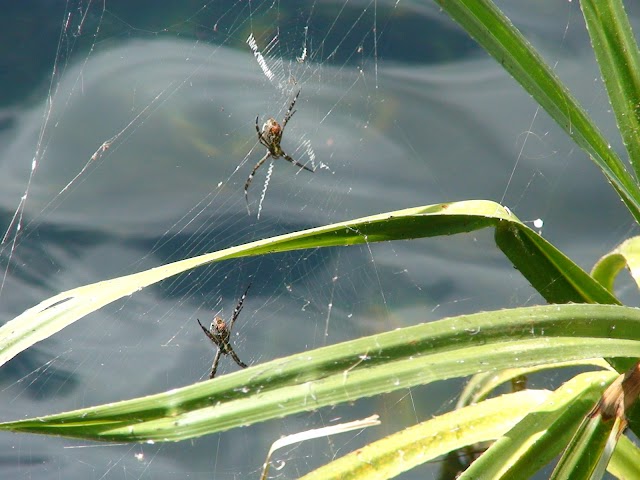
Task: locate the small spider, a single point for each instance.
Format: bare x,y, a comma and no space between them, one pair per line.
220,334
270,136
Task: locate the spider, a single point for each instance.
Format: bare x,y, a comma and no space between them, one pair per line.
270,137
220,334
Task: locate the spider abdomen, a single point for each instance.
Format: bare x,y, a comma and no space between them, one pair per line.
272,133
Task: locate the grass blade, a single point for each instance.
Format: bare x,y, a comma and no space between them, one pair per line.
495,33
417,355
543,434
425,441
559,278
617,53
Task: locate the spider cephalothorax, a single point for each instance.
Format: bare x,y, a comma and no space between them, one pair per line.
270,137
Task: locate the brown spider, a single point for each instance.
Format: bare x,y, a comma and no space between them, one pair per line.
220,334
270,136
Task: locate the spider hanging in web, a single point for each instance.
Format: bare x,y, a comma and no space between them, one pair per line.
220,334
270,137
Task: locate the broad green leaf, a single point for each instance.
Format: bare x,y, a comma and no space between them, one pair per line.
421,443
417,355
495,33
617,54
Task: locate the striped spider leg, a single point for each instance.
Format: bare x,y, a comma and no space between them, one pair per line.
220,334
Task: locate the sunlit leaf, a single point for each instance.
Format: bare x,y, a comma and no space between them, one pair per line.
556,276
497,35
416,445
627,254
619,61
403,358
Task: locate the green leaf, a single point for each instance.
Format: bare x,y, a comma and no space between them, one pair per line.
541,265
585,456
560,277
590,450
627,254
617,53
425,441
480,386
495,33
543,433
625,461
417,355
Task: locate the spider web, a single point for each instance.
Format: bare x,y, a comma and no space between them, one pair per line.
128,133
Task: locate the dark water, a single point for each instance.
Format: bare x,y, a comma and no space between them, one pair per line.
421,116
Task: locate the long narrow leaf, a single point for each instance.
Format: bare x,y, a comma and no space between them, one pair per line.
625,461
427,440
403,358
627,254
591,448
619,61
561,277
480,386
544,433
495,33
